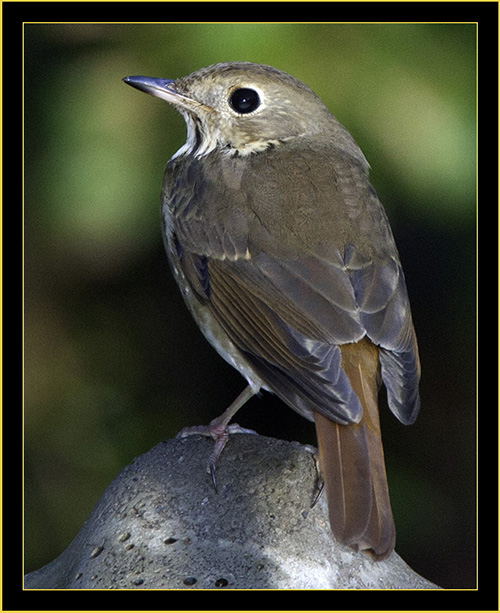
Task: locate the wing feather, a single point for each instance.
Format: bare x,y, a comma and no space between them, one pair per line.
289,304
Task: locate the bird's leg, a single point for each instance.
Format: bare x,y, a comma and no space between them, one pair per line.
220,429
319,484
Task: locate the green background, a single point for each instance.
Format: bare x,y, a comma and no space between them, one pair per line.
113,362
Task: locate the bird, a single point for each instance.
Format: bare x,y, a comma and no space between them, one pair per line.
286,260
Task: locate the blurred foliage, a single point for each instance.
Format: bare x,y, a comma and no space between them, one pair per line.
113,362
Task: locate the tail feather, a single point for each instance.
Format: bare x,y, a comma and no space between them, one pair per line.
344,462
352,462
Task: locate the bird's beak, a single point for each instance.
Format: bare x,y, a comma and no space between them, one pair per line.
166,90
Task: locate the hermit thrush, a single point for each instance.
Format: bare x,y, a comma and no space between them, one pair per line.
286,260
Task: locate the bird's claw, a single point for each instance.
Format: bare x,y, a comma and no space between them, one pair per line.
319,482
220,433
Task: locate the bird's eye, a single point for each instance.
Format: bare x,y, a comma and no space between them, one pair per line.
244,100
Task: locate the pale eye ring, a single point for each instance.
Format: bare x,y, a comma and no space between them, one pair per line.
244,100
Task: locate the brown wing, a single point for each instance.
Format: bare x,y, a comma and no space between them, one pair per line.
289,318
290,279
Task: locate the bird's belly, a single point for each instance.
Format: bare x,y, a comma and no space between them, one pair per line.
214,332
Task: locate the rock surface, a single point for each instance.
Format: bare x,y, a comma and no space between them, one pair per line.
161,525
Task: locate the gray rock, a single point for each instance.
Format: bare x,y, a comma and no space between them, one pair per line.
161,524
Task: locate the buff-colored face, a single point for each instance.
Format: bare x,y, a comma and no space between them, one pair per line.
241,108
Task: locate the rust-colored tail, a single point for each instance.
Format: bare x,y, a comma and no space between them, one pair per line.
352,462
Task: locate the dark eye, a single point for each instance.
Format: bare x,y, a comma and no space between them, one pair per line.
244,100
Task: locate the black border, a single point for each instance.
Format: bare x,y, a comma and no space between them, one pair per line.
485,14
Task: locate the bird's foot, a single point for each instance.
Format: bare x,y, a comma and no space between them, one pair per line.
219,429
220,433
319,482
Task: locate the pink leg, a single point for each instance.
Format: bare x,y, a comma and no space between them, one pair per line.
220,429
